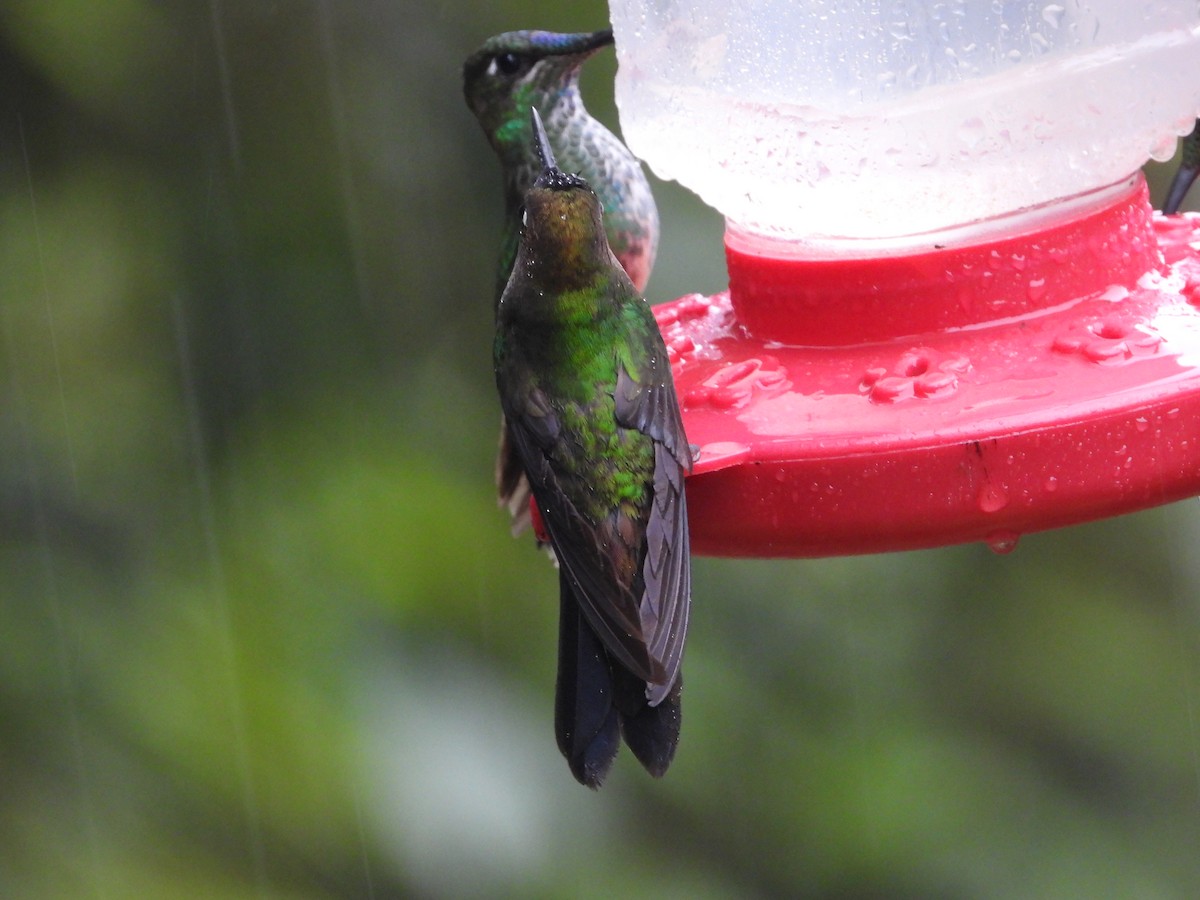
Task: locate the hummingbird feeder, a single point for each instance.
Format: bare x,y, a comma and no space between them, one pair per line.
952,314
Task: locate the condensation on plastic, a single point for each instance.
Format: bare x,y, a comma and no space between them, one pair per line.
842,119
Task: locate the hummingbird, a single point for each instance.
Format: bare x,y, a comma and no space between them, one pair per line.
507,75
1189,168
593,420
513,71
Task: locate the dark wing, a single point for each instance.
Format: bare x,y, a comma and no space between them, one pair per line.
590,554
651,407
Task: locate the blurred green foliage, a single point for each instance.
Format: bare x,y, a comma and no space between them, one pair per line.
263,632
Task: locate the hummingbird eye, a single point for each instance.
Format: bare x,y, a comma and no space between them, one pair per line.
507,63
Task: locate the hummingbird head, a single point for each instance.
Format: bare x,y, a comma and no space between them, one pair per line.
519,69
562,223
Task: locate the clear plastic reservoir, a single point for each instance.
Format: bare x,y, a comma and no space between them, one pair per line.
892,118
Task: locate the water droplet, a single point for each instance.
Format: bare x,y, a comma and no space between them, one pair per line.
1141,423
1164,148
1052,14
1051,484
992,499
1003,541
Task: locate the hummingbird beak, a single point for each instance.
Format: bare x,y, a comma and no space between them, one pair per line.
541,142
552,176
580,43
598,39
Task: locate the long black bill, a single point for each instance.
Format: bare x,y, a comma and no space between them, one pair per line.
579,42
541,142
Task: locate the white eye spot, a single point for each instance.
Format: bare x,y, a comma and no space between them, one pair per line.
524,217
491,69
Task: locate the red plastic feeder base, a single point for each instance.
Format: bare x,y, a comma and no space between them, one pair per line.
954,392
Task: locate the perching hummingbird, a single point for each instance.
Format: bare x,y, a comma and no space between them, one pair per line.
1189,168
505,77
519,69
593,420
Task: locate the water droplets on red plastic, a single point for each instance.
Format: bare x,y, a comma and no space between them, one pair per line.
1002,542
992,498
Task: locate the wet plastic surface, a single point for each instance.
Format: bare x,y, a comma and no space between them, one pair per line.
947,394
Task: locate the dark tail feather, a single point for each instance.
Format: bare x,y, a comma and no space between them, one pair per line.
585,720
652,732
1179,188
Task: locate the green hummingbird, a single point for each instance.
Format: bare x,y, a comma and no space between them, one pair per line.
505,77
594,422
1189,168
518,69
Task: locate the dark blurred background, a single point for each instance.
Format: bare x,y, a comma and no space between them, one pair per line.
263,632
